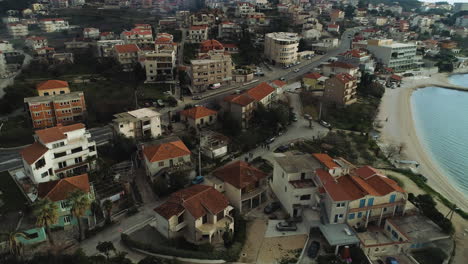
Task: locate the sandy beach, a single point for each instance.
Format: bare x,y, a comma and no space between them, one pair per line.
400,128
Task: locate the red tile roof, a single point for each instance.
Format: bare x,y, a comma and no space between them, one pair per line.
198,27
239,99
197,200
333,26
239,174
326,160
278,83
164,151
56,133
211,44
59,190
344,77
126,48
339,64
51,84
33,152
260,91
396,77
314,75
198,112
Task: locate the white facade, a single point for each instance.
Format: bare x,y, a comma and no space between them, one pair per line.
243,9
281,47
36,42
91,33
105,48
63,157
197,34
6,46
17,30
2,65
398,56
144,122
160,63
53,25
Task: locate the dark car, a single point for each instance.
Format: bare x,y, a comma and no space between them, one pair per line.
313,250
198,179
286,226
391,260
282,148
272,207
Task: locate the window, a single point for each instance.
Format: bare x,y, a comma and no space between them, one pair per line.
180,219
370,202
283,175
46,93
362,203
66,220
340,216
340,205
180,159
285,189
79,159
205,219
392,198
44,174
75,150
305,197
161,163
92,148
62,164
60,154
302,175
351,216
359,215
388,228
64,204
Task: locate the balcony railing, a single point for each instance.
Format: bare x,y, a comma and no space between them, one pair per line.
377,206
207,229
253,192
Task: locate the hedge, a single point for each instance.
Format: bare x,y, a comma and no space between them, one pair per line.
421,183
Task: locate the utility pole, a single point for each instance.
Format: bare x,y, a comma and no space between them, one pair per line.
199,155
320,112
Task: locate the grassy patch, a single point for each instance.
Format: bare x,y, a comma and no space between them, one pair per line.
16,132
397,180
153,91
11,195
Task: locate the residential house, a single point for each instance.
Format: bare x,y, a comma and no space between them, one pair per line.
107,35
59,152
34,42
165,153
211,44
244,185
140,123
243,9
337,67
333,28
58,191
313,81
359,58
197,34
340,89
337,15
199,116
91,33
160,63
3,68
52,87
137,35
262,93
257,19
106,48
213,144
240,107
53,24
127,55
198,213
50,110
17,30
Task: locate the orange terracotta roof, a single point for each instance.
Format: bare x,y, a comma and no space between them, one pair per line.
239,99
59,190
260,91
344,77
56,133
198,112
211,44
396,77
126,48
166,151
198,27
326,160
51,84
278,83
33,152
314,75
198,200
339,64
239,174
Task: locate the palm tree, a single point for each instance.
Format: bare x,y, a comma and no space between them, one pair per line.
107,205
14,245
79,202
46,212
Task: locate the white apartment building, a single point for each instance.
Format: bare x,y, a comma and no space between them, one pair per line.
160,63
105,48
53,24
137,35
229,30
293,182
197,34
281,47
17,30
243,9
140,123
398,56
127,55
59,152
91,33
6,46
34,42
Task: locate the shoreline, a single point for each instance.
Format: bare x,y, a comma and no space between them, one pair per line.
401,128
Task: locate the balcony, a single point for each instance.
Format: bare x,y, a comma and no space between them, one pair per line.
377,206
178,227
208,229
254,192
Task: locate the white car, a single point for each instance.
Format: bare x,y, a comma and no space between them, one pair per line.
296,70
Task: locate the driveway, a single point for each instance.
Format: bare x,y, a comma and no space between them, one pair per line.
272,232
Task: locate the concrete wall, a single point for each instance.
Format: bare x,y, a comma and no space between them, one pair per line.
233,194
153,167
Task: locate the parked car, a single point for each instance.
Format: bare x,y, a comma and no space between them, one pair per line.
307,116
286,226
270,140
272,207
296,70
294,119
282,79
161,103
313,249
391,260
196,97
325,124
282,148
198,179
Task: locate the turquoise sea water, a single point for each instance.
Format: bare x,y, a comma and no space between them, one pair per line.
441,117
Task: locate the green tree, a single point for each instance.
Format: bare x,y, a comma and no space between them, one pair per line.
107,205
15,247
349,11
46,213
105,248
79,204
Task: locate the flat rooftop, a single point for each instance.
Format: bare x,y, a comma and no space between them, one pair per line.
335,234
136,115
57,97
418,228
298,163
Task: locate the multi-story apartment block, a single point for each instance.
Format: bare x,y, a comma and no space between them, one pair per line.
140,123
462,21
138,35
257,19
340,89
281,47
229,30
458,7
211,44
160,63
17,30
398,56
127,55
52,87
211,70
59,3
244,185
198,213
34,42
48,111
59,152
244,8
197,34
336,67
359,58
10,20
91,33
6,46
165,153
106,48
53,24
